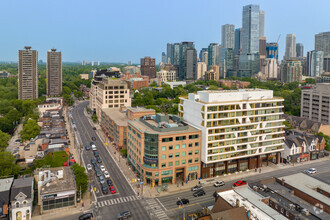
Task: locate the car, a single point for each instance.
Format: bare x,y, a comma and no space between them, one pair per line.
215,194
94,147
98,172
101,179
91,143
106,174
102,168
93,138
87,147
86,216
93,161
219,183
98,159
124,214
94,128
105,188
109,182
182,201
199,193
311,171
196,188
96,154
112,190
89,167
240,183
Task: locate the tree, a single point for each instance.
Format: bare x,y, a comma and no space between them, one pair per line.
4,139
68,100
81,178
30,129
7,164
148,98
153,84
310,81
5,124
14,116
94,118
213,87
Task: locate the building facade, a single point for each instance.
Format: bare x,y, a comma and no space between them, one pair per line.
291,71
214,54
300,49
270,68
54,73
322,43
201,69
314,63
250,29
164,149
228,36
261,23
238,41
241,129
148,67
27,74
164,76
315,103
290,47
272,50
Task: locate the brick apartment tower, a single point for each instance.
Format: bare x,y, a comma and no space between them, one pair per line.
54,73
27,74
148,67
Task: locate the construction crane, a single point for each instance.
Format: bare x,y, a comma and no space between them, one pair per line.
279,36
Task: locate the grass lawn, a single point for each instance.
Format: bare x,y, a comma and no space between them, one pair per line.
54,159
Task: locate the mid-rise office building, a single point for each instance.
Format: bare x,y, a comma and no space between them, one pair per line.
164,76
314,63
322,43
164,149
300,49
112,93
201,54
290,47
291,71
148,67
315,103
248,64
326,64
241,129
201,69
262,50
54,73
27,74
227,62
228,36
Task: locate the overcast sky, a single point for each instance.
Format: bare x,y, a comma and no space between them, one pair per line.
126,30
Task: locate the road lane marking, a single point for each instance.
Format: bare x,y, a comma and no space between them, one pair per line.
198,203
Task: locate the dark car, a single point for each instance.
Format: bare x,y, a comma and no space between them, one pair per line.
105,189
91,143
98,172
109,182
182,201
94,128
93,161
93,138
98,159
96,154
196,188
199,193
124,214
86,216
87,147
215,194
240,183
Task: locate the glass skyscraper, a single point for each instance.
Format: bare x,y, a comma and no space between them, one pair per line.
250,32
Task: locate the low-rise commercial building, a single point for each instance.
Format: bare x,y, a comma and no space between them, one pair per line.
164,149
5,186
137,83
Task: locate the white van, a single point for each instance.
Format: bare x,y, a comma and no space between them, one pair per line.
93,147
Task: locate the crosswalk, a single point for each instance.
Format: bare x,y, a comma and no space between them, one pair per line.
116,201
156,209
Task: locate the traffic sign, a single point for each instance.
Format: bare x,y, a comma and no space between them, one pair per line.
141,182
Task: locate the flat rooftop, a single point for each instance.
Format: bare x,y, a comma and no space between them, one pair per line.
116,115
5,184
308,185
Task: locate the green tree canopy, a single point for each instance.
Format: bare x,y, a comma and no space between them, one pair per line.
7,164
30,129
81,178
4,139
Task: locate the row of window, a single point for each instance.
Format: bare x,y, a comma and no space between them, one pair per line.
177,146
237,107
177,163
183,154
180,138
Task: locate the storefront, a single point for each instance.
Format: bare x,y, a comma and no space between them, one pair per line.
304,157
58,200
167,179
314,155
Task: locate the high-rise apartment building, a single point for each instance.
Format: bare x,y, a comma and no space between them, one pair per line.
201,69
27,74
315,103
188,61
322,43
238,41
148,67
205,56
164,57
314,63
54,73
228,36
240,128
270,68
300,49
176,54
290,47
203,50
214,54
262,50
250,29
272,50
227,62
261,23
291,71
170,53
326,64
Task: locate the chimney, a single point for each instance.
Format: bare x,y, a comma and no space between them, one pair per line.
237,203
283,181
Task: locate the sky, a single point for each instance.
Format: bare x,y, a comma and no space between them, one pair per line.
127,30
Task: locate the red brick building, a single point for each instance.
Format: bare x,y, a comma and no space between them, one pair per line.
148,67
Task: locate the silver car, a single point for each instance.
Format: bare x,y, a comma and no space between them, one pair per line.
89,167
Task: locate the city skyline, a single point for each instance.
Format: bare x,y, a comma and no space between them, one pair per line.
111,35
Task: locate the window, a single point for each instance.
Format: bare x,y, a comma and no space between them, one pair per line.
190,153
17,204
170,156
287,214
183,161
177,147
193,136
193,168
164,156
183,146
168,172
163,148
170,164
196,160
282,210
180,138
163,164
177,163
170,147
177,154
167,139
190,145
196,144
183,154
156,174
196,152
190,161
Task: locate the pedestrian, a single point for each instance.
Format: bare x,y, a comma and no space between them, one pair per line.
255,169
260,170
182,183
186,181
177,184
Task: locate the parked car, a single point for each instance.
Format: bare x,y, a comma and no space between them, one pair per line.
93,138
98,172
89,167
311,171
101,179
93,161
94,128
182,201
105,188
102,168
96,154
199,193
124,214
196,188
219,183
86,216
109,182
215,194
112,190
98,159
87,147
240,183
106,174
91,143
94,147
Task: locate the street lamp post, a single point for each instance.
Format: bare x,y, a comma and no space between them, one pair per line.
183,214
